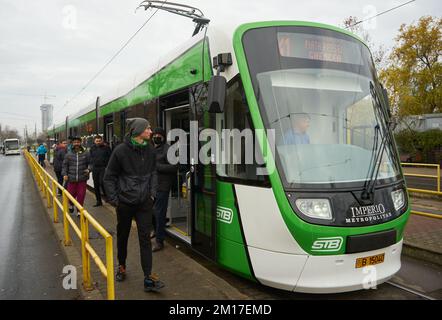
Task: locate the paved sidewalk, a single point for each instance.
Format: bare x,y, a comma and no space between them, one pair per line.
423,235
184,278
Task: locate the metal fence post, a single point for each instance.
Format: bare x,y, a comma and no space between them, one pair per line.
48,198
438,178
54,204
67,238
110,269
85,258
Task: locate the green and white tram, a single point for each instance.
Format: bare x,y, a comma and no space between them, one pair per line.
330,214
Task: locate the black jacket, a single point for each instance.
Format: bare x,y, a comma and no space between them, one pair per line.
166,171
100,156
75,164
131,176
60,153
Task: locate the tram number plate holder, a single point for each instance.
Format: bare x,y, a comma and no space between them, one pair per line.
369,261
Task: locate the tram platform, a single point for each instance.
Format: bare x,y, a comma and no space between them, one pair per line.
187,279
183,276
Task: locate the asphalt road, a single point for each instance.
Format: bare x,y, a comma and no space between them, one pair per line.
31,263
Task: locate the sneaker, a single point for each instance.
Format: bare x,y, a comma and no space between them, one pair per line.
152,234
152,283
121,273
157,246
71,209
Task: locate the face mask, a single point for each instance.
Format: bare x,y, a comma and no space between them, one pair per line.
157,140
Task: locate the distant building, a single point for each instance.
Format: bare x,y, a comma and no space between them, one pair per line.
47,113
421,122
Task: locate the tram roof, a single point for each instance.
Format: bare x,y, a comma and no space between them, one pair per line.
220,31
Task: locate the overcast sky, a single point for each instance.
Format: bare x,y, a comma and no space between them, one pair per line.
55,47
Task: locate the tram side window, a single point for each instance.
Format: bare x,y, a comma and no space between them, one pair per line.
239,159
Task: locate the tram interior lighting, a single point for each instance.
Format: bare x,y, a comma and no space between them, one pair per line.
315,208
398,198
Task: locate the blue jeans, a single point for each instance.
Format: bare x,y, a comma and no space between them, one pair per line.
160,209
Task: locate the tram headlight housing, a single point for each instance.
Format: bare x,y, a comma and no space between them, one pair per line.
315,208
398,198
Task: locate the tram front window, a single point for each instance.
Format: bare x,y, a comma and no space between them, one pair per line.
313,89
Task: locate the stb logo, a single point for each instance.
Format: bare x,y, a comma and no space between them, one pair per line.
328,244
224,214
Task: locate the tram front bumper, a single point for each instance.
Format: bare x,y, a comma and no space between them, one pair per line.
323,274
334,274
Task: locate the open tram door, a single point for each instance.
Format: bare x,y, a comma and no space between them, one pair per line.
192,202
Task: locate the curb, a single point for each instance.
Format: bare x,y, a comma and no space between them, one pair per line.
70,253
420,253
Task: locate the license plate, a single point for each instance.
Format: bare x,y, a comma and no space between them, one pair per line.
369,261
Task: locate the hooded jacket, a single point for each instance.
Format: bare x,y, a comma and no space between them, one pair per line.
131,176
41,150
75,164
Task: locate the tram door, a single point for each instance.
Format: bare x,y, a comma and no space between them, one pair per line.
180,202
192,203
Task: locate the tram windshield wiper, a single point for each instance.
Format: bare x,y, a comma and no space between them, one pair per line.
367,195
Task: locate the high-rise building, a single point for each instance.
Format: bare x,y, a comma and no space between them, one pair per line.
47,111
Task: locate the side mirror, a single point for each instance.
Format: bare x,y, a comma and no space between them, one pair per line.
217,94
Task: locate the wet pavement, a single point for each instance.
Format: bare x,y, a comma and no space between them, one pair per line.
31,264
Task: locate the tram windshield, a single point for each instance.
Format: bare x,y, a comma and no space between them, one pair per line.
313,88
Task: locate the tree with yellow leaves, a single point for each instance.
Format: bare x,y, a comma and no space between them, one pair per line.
413,77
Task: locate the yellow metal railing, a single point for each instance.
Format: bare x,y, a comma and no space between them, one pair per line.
424,191
49,188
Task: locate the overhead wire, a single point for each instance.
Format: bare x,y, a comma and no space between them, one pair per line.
107,63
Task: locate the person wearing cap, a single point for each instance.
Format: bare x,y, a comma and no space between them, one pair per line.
75,170
166,175
130,181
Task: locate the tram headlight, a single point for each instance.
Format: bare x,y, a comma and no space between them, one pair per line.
315,208
398,198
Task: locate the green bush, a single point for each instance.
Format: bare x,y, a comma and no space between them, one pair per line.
413,142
